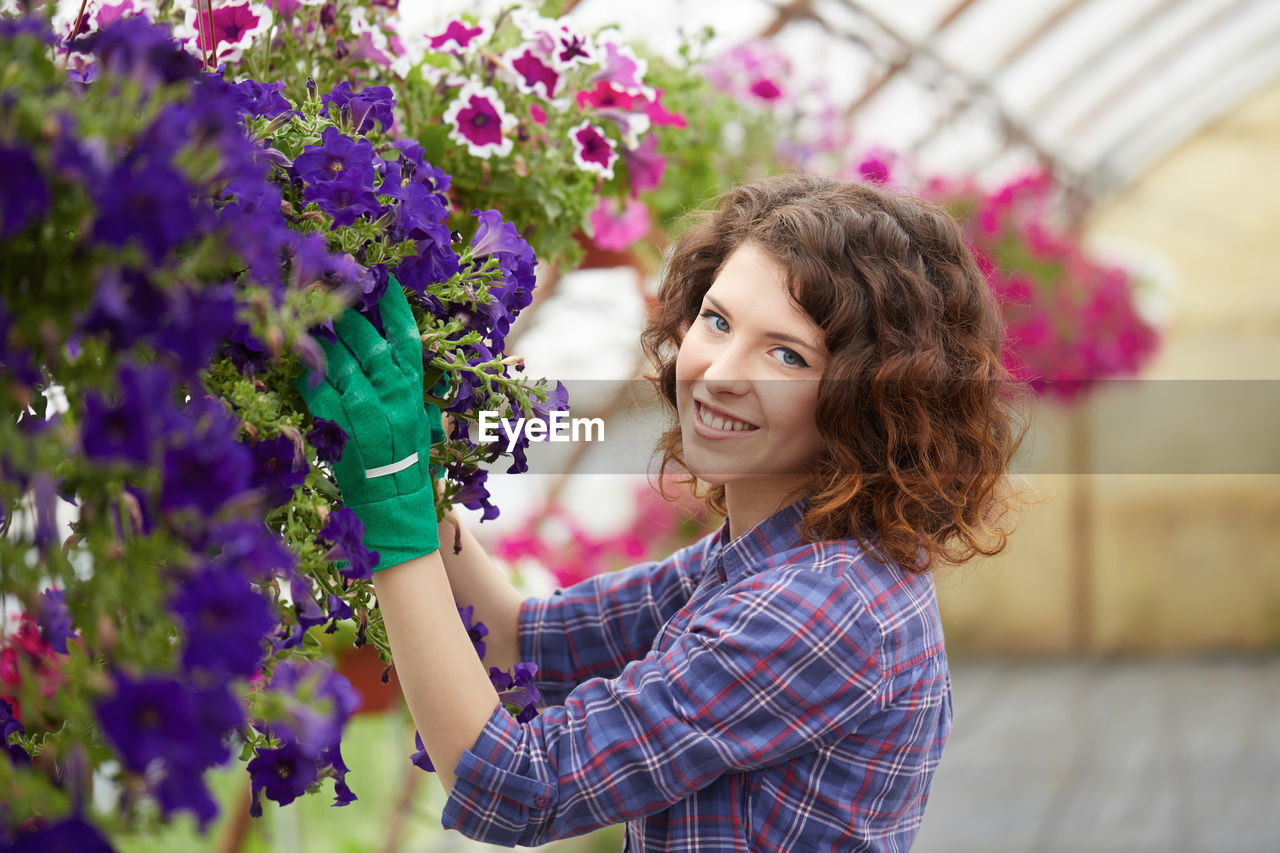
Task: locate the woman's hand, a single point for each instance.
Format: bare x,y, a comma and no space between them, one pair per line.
373,388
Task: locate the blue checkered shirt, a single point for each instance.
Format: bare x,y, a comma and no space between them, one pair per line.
754,694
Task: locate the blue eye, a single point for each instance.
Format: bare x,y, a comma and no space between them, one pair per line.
796,359
712,317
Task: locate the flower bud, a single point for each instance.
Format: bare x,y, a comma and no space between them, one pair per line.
278,123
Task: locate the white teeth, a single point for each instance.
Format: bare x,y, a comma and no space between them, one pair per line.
717,422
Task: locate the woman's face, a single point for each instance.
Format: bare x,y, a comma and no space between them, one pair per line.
747,378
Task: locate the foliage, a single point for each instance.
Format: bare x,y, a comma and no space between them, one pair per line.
170,245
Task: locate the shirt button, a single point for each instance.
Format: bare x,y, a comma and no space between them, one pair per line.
540,800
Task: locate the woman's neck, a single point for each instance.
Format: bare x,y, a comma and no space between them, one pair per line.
749,501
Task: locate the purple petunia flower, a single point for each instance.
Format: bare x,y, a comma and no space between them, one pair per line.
260,100
313,737
593,151
136,47
158,718
54,619
478,120
496,237
246,351
517,688
225,621
420,758
250,549
9,725
44,498
26,195
280,465
209,467
474,494
139,422
344,198
328,438
476,630
339,174
283,774
336,154
73,833
125,306
369,105
342,793
148,202
196,320
346,532
185,791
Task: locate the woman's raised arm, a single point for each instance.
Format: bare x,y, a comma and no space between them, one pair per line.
478,582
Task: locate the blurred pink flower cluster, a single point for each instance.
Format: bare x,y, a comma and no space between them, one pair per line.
1071,319
556,540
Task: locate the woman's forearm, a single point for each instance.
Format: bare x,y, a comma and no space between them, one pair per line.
477,581
445,686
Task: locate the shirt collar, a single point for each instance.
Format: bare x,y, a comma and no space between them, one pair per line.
760,546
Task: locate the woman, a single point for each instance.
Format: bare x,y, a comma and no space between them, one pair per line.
831,355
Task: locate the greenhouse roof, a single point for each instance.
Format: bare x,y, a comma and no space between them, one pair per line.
1095,89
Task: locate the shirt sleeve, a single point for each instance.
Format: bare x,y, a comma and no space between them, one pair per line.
784,667
597,626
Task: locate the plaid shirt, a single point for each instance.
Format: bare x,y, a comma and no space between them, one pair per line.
759,694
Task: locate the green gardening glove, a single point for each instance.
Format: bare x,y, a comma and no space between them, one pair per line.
373,389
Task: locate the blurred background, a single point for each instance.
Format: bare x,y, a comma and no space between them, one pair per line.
1117,669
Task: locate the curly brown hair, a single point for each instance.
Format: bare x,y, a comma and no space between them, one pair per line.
919,418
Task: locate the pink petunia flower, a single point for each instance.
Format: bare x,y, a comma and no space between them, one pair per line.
477,119
460,38
236,26
645,166
593,151
532,72
659,115
617,229
620,66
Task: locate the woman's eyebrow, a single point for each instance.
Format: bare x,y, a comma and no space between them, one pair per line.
776,336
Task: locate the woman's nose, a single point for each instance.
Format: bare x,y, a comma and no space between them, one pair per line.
725,371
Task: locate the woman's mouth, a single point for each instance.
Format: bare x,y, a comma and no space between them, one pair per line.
719,422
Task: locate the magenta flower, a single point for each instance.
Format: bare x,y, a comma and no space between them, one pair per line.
478,120
460,38
109,13
620,66
659,115
875,170
754,71
592,150
235,28
534,72
617,229
645,166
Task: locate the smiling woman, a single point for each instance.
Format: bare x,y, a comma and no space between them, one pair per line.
863,312
830,355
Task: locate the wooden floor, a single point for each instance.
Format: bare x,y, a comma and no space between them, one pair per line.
1180,756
